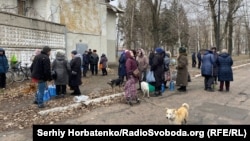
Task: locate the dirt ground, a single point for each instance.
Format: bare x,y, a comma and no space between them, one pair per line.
17,110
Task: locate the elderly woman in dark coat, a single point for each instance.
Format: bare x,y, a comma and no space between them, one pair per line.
75,75
182,70
62,68
225,72
158,69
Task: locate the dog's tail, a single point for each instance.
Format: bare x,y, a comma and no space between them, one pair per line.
185,105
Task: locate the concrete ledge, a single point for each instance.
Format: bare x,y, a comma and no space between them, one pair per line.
76,105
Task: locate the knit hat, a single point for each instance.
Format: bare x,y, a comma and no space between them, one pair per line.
46,49
159,50
182,50
74,52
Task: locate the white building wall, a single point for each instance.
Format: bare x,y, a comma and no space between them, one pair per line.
9,6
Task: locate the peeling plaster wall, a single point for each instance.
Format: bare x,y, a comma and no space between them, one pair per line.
81,16
85,20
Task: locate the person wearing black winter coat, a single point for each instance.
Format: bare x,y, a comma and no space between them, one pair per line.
194,60
158,69
40,73
75,78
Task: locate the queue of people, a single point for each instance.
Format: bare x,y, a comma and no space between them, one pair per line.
214,67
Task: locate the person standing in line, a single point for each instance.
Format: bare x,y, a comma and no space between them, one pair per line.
122,66
225,72
94,59
199,59
36,52
158,69
167,73
194,60
150,57
182,70
215,67
207,70
130,85
62,68
4,67
104,61
85,63
142,61
41,73
75,79
89,57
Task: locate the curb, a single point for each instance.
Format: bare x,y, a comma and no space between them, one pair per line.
234,68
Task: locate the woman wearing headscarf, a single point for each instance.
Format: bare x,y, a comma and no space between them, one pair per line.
182,70
142,61
130,86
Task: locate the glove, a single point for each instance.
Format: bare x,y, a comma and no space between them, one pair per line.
74,73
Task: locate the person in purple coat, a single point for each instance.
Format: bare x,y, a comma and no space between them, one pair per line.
225,72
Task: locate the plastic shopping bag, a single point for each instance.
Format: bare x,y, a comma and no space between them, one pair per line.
150,76
46,96
52,90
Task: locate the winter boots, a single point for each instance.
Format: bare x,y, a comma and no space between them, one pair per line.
182,89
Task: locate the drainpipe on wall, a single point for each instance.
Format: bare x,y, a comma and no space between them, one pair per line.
65,35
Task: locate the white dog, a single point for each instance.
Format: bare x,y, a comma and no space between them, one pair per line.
178,116
146,88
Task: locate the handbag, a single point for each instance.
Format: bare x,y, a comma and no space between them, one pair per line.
100,66
150,76
136,72
54,74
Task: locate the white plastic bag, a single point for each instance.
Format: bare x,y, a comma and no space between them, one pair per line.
150,76
80,98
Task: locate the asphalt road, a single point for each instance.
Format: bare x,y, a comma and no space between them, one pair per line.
211,108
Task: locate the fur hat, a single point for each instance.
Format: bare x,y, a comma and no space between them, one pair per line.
182,50
74,52
224,51
159,50
60,52
46,49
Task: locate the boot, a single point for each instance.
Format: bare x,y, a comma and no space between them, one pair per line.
221,86
182,89
227,86
157,93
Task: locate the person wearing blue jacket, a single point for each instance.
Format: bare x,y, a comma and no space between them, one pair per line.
207,63
4,67
225,72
